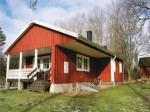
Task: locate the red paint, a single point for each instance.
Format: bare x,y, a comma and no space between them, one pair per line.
105,68
145,72
118,75
98,67
38,37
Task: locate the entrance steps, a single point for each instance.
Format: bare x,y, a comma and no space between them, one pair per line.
39,86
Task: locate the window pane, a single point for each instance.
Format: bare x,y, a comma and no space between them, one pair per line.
46,63
79,62
85,64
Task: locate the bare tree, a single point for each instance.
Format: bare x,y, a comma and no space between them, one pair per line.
75,24
81,22
95,23
140,8
126,37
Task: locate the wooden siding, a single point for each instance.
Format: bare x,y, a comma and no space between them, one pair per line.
104,69
98,67
118,75
38,37
145,72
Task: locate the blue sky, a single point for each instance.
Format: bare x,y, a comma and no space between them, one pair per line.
15,14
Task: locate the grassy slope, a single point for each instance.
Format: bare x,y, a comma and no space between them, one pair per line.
124,98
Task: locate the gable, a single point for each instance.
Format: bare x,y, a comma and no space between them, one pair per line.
38,36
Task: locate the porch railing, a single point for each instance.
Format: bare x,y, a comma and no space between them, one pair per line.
14,73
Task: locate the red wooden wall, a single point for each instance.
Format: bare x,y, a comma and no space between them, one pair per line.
104,68
118,75
145,72
38,37
98,67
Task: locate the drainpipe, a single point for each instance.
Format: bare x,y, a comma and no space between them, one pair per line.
112,69
114,57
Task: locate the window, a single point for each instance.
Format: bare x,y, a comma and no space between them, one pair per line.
45,63
120,67
82,63
114,65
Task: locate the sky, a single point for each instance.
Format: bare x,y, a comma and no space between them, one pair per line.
15,14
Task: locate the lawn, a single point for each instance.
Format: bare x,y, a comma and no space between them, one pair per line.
133,97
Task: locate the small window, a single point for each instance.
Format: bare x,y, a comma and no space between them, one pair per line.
114,65
46,63
82,63
120,67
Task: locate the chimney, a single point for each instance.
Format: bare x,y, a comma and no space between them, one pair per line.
89,35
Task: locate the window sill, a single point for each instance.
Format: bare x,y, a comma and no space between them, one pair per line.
83,70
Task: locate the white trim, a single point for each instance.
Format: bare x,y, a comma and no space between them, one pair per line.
8,62
112,69
31,23
82,67
20,67
35,58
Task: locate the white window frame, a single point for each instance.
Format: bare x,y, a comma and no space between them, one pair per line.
82,65
120,67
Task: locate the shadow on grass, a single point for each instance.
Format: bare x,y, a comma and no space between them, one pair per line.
79,102
138,93
39,103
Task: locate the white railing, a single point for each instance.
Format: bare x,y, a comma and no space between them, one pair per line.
14,73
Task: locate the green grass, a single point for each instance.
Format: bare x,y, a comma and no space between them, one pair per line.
124,98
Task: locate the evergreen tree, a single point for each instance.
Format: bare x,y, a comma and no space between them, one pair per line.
2,38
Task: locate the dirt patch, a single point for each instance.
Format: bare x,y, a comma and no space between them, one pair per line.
78,93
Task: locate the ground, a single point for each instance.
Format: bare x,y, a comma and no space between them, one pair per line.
133,97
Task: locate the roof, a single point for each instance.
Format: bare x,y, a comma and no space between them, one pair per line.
97,47
30,24
72,34
144,62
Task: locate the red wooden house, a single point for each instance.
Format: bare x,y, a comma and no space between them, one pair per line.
72,58
144,64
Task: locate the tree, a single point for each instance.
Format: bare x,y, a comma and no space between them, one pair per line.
125,35
140,8
2,38
2,59
95,23
81,22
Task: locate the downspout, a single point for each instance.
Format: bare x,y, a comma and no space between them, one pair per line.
114,57
112,70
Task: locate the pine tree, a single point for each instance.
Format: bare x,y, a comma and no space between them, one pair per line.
2,38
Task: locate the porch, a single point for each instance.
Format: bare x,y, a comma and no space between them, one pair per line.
27,65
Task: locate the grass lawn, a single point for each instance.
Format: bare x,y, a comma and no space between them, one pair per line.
133,97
